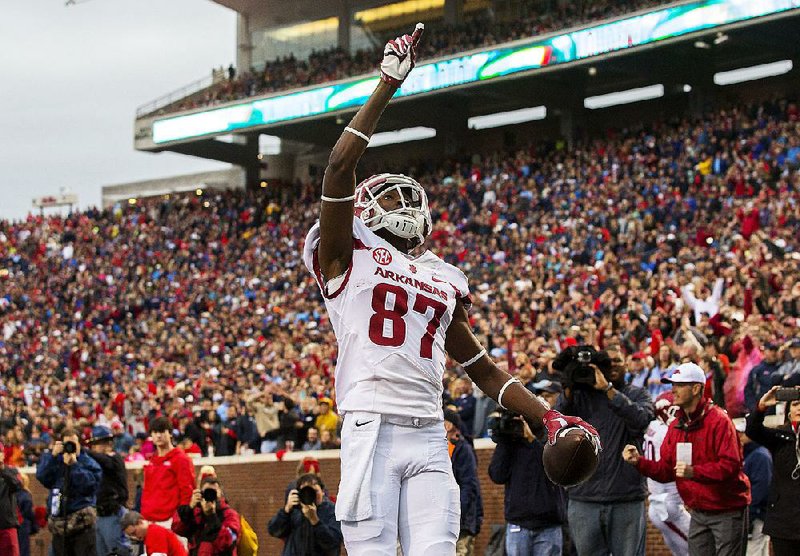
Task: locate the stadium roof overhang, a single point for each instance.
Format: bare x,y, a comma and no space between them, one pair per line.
283,12
673,62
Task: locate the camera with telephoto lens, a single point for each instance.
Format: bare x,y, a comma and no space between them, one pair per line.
70,447
307,495
505,425
574,364
209,494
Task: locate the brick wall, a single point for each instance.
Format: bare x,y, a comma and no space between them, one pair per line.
255,486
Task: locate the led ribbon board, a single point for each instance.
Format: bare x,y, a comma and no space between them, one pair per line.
482,66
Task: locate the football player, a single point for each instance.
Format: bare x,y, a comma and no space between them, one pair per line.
397,311
666,510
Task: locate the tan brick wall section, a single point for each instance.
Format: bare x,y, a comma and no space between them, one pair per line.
255,488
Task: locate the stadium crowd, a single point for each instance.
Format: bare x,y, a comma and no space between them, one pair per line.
441,39
677,243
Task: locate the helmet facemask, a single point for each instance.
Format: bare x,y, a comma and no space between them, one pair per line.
411,221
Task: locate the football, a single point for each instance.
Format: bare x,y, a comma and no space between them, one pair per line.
571,460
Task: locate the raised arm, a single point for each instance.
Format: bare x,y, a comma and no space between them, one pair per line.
338,185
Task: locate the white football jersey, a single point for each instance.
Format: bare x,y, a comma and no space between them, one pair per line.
653,438
390,313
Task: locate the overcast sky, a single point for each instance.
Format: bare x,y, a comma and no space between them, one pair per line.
72,78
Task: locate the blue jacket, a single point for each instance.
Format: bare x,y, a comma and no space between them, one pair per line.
466,410
81,486
531,500
619,421
301,538
758,468
759,381
465,470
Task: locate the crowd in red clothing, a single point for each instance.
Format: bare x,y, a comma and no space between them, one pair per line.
479,29
198,307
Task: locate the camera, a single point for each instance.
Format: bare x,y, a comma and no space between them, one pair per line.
209,494
505,425
574,361
70,447
787,394
307,495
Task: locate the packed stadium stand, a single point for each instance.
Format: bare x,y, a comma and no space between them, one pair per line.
479,28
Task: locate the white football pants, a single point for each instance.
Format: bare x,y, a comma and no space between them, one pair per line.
669,515
413,494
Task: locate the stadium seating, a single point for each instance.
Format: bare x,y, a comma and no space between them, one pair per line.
186,305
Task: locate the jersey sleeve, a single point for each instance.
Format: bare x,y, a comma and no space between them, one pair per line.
333,287
459,282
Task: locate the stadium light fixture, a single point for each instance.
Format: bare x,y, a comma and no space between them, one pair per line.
701,45
687,88
401,136
508,118
752,73
720,38
624,97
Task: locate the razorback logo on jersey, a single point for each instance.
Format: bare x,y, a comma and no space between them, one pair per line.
382,256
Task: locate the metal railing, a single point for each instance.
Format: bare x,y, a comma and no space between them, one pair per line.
176,95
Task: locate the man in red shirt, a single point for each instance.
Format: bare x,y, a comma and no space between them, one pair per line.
157,540
702,454
168,476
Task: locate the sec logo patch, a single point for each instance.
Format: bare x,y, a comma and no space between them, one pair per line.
382,256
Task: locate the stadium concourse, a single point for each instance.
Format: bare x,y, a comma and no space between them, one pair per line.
441,39
191,306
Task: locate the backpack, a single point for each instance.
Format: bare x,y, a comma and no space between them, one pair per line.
248,540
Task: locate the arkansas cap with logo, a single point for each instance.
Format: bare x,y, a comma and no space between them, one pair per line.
688,372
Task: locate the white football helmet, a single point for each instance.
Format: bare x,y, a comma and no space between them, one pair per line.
411,221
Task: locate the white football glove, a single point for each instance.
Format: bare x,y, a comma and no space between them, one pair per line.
399,57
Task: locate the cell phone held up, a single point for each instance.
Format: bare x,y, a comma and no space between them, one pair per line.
787,394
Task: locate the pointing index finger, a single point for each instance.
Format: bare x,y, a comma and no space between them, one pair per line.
417,33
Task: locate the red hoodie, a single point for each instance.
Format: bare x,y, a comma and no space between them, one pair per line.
719,482
168,483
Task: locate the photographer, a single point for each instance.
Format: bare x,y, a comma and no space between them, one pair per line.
211,526
73,479
595,390
307,522
534,508
113,494
782,521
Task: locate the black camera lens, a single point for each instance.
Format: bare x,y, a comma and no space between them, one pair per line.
210,494
70,447
307,495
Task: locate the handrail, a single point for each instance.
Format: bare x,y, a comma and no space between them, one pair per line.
177,94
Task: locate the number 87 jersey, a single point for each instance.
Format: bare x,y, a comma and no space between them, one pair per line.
390,313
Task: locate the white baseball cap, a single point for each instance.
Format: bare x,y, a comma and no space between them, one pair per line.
688,372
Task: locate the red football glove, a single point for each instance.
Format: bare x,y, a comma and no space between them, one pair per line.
557,424
400,56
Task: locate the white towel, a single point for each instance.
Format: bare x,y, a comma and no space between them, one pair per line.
359,439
